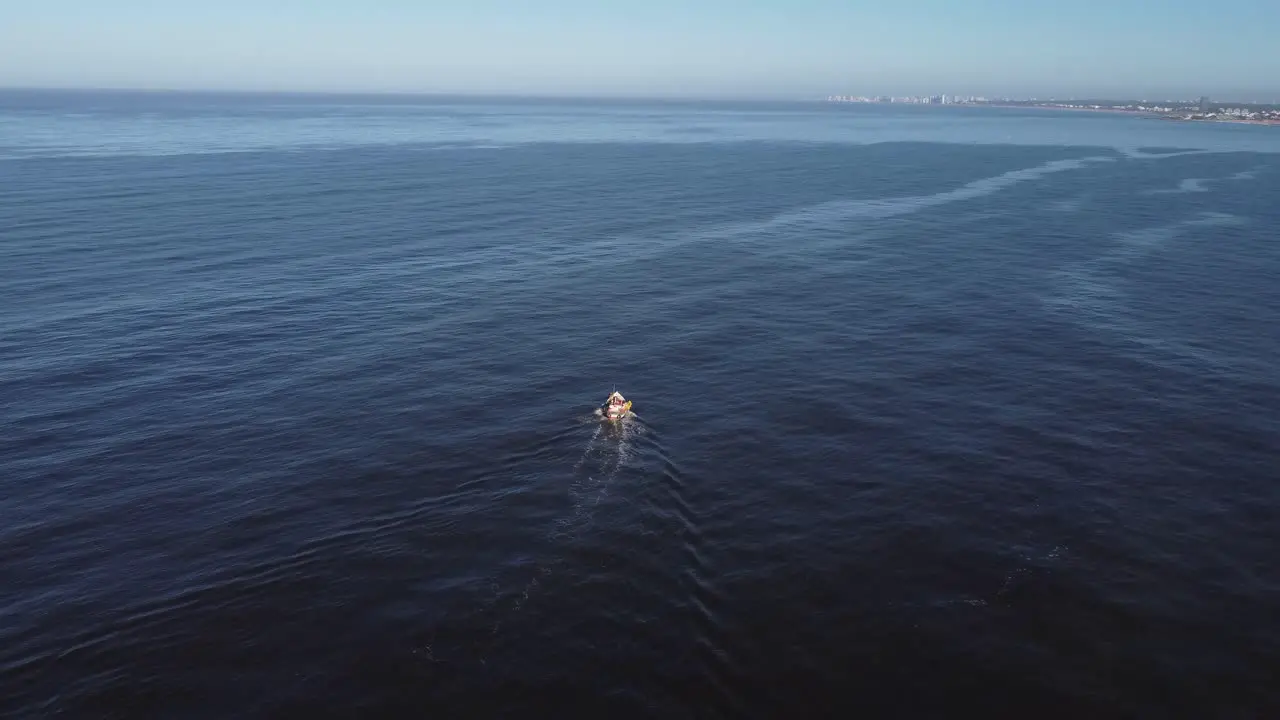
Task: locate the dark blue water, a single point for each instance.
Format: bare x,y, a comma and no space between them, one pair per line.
938,410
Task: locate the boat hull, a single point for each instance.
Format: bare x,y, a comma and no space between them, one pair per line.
617,412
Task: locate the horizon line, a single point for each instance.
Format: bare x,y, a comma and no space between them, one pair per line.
991,99
415,93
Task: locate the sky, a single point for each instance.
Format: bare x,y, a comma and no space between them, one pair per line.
785,49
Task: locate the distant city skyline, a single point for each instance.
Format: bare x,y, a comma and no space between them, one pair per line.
1201,109
785,49
958,99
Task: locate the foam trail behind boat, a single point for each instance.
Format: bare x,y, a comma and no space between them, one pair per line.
587,450
591,476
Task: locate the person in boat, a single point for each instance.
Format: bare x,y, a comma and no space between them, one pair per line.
615,402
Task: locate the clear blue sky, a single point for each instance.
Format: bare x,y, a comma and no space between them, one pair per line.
781,48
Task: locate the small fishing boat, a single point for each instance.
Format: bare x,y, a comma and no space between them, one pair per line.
616,407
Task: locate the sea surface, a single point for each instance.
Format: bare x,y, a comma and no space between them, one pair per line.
940,411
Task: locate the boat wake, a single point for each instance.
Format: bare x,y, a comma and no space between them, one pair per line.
1030,570
608,451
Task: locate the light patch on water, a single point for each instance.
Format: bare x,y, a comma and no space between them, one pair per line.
843,211
442,147
852,220
1191,185
1188,185
1091,292
1139,154
1066,204
861,215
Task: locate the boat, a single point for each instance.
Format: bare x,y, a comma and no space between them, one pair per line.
616,407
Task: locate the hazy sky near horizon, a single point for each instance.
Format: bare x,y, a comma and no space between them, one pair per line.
781,48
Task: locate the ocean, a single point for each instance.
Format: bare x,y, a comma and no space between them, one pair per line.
938,410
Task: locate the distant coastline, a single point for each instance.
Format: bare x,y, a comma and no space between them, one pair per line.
1238,121
1123,111
1179,111
1153,114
